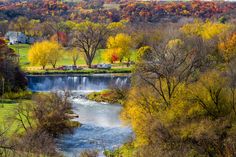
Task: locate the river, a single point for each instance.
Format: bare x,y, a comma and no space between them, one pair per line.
102,128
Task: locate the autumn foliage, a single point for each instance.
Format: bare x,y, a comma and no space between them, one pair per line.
228,47
181,102
45,52
129,10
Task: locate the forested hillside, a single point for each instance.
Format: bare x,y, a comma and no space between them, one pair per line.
109,10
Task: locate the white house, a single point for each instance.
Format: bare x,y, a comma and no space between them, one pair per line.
18,37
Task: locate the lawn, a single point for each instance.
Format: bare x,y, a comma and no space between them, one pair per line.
6,112
23,50
7,115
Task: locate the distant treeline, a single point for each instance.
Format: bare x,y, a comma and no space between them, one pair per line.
96,11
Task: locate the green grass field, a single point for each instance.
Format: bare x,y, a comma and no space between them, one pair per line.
23,50
8,116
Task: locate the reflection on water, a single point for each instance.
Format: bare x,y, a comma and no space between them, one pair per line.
102,128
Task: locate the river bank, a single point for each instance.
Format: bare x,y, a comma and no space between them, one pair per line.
83,71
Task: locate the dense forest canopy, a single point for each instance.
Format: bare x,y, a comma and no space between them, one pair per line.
115,10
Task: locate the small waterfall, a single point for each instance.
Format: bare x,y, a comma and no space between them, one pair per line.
76,82
84,80
121,82
117,83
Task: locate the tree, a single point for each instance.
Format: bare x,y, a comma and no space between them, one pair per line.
55,28
89,37
169,63
210,92
177,104
60,37
45,52
20,24
43,118
228,48
34,28
111,55
75,55
6,149
3,27
14,79
122,43
51,112
55,53
206,30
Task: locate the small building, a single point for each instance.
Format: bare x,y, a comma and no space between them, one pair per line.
18,37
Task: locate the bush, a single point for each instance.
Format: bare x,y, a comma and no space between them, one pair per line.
50,112
23,94
109,96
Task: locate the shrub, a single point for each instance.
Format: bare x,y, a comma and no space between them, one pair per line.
23,94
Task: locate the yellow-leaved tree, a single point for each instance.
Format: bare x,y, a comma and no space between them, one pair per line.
207,30
45,52
111,55
228,48
121,44
75,54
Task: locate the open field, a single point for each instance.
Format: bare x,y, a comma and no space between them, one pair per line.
66,59
23,50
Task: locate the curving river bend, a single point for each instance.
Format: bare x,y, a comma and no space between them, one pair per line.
102,128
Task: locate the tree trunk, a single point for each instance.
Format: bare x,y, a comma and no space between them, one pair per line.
128,63
74,62
89,62
90,65
44,67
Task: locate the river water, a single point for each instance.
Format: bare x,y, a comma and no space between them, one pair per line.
102,128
